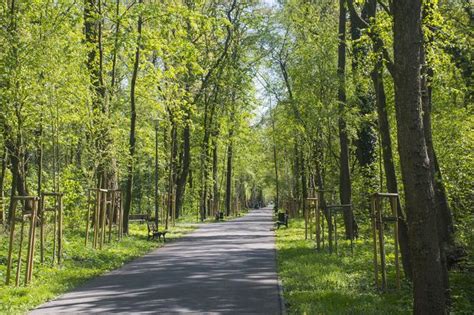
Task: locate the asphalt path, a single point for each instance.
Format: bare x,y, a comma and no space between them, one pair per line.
227,267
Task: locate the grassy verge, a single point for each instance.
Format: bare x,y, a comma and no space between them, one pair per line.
80,264
321,283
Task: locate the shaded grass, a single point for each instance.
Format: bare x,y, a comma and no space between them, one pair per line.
322,283
79,265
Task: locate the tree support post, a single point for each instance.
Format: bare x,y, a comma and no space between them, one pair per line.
379,221
28,214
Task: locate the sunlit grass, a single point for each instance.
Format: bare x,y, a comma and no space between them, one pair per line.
323,283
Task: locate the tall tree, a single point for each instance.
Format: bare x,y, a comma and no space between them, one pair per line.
429,295
345,189
133,121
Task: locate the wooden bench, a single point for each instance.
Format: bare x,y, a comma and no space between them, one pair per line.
282,219
153,231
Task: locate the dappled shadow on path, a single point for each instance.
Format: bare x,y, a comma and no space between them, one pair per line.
225,267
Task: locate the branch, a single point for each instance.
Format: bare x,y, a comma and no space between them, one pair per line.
384,7
374,36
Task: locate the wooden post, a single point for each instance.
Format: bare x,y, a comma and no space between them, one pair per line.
10,246
121,214
305,220
393,202
60,229
111,204
103,217
318,225
88,215
18,266
55,222
96,217
335,233
42,218
374,236
31,243
381,245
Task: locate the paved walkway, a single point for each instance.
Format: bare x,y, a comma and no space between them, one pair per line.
227,267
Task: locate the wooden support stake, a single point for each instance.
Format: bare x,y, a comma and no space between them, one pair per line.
318,226
335,234
382,246
88,215
103,211
10,246
31,244
42,217
96,218
305,220
18,266
393,201
374,236
111,204
60,229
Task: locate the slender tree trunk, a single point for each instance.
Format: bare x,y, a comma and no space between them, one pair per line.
228,186
429,293
275,163
185,168
215,171
40,162
2,184
345,189
133,120
304,186
296,176
3,170
102,141
443,212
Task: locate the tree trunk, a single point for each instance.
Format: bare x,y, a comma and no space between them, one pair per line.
228,186
275,163
344,176
443,212
304,186
296,177
132,138
215,172
185,165
102,141
429,294
2,184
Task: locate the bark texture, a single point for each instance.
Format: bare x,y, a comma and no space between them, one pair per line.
428,289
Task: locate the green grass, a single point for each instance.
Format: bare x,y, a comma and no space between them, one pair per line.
323,283
80,264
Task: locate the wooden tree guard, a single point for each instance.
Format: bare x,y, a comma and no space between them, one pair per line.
104,206
378,222
57,210
333,212
26,216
